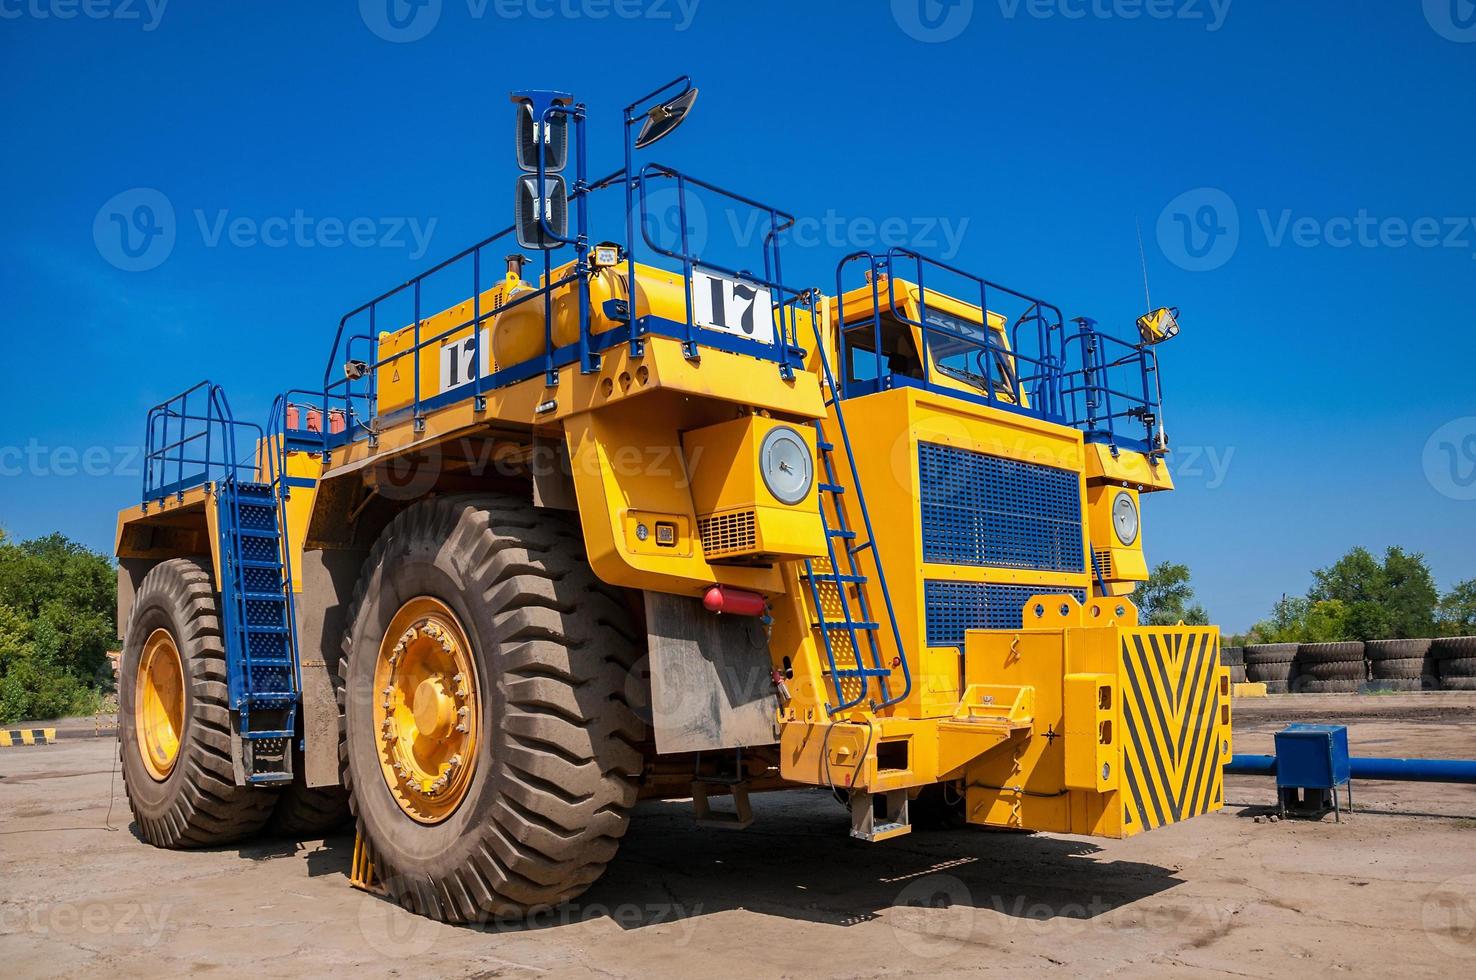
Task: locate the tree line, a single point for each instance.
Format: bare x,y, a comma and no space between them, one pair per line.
58,615
1358,597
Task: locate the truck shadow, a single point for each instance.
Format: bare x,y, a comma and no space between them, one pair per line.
798,862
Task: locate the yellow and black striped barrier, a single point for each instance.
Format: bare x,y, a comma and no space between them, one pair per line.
26,736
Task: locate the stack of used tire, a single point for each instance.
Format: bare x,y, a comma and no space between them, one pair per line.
1234,658
1455,662
1272,664
1329,668
1400,665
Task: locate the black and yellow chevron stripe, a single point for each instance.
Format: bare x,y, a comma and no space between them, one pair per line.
27,736
1172,765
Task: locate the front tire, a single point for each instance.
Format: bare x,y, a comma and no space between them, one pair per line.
174,723
517,803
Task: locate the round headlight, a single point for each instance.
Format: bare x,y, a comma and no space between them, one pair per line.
786,464
1125,517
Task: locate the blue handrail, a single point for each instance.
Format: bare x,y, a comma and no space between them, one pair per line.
1088,379
194,429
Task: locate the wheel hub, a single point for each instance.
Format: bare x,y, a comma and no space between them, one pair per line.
159,704
425,710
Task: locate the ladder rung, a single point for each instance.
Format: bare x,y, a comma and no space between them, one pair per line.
832,488
258,736
264,596
845,672
838,579
264,629
268,778
254,563
859,548
841,624
247,532
268,662
824,446
847,535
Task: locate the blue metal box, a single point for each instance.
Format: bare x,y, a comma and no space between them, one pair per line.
1312,756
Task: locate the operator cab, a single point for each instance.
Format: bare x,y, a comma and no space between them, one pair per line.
943,345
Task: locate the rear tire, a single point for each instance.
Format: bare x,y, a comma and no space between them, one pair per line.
303,813
197,803
554,765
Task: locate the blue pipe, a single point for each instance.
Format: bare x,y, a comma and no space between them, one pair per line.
1407,770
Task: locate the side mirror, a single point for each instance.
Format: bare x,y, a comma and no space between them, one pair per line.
553,135
1160,325
661,119
539,211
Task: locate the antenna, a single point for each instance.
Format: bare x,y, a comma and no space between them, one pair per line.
1143,258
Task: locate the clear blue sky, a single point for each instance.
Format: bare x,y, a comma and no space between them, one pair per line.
1281,158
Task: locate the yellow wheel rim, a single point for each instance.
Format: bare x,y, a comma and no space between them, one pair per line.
159,704
426,714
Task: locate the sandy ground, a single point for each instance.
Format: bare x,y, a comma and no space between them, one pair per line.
1393,888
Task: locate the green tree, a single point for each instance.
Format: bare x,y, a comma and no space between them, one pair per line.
1167,597
1394,598
57,620
1456,614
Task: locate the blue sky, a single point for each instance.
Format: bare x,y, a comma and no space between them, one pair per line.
1302,174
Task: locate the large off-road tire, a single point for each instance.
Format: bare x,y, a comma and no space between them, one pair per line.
1376,650
1312,686
1237,674
303,813
1395,684
186,797
1350,651
1458,667
1336,670
1270,673
1411,669
534,813
1232,656
1453,647
1270,653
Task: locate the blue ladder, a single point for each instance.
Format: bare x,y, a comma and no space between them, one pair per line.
843,578
256,593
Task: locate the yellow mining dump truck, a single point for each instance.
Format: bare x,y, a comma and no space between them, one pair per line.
614,530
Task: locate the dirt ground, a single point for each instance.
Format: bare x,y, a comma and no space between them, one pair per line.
1392,888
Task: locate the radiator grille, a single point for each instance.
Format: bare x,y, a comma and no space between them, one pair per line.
728,534
953,607
1000,513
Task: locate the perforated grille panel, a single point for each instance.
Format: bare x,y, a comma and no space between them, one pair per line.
999,513
728,534
953,607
